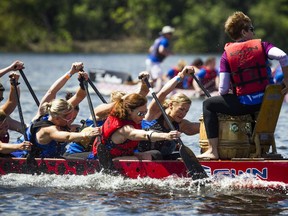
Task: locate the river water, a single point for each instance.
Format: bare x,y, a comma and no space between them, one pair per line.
106,195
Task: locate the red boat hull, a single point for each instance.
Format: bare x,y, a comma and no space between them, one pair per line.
269,170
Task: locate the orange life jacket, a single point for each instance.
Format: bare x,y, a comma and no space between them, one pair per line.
248,66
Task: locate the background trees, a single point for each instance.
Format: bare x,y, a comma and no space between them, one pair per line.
57,26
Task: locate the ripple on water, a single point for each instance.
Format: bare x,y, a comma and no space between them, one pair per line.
115,194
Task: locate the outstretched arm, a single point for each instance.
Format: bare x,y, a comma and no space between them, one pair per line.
9,106
80,93
153,108
59,83
6,148
129,132
143,90
16,65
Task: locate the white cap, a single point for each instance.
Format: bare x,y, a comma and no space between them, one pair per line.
167,30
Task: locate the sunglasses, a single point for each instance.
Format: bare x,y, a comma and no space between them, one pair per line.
1,98
141,113
251,29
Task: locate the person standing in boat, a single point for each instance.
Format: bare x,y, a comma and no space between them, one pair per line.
157,53
244,66
121,132
176,107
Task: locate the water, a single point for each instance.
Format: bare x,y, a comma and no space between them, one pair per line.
106,195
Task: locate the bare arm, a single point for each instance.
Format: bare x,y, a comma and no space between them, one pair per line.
60,82
46,134
14,125
6,148
16,65
80,93
9,106
102,111
58,85
189,128
153,108
143,90
129,132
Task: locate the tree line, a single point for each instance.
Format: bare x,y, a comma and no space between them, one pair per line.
58,26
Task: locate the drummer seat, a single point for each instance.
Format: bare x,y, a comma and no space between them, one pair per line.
266,121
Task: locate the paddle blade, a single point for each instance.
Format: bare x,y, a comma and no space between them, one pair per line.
192,164
31,164
104,157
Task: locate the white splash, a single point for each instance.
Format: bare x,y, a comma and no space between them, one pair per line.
104,182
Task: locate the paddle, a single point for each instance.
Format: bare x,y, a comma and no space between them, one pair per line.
29,87
90,102
191,162
103,154
96,91
31,162
201,85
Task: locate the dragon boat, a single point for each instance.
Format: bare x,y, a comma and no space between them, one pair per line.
246,145
264,169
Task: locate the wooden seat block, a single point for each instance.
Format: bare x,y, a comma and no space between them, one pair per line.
263,133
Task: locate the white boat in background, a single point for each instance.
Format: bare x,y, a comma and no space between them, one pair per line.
108,81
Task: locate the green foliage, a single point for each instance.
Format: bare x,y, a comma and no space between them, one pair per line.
56,26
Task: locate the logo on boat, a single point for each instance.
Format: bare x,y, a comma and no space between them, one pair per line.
263,174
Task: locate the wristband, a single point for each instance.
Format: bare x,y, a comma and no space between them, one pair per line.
68,76
179,79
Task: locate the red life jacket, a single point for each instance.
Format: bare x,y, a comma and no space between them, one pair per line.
209,75
116,150
248,66
176,71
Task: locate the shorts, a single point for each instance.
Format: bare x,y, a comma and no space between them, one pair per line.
154,69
